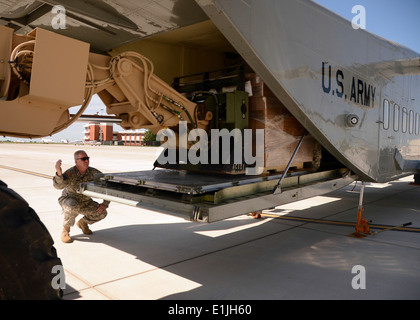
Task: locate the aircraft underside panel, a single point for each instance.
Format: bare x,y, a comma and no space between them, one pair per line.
103,24
330,76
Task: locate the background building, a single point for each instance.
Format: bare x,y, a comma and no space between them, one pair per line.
102,132
132,137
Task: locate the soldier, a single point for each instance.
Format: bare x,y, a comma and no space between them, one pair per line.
74,203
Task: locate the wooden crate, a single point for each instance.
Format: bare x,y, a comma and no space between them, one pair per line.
282,131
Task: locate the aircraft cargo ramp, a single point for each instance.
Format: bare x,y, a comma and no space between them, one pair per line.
209,198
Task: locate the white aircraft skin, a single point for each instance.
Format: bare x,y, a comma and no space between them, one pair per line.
356,93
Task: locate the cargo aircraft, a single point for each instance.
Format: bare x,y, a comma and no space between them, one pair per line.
334,104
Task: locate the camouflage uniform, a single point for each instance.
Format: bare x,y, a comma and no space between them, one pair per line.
74,203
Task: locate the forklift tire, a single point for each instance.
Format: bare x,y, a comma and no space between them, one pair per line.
27,255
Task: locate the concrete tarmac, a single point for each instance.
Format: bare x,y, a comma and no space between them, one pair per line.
140,254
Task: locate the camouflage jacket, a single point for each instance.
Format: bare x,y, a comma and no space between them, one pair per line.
70,181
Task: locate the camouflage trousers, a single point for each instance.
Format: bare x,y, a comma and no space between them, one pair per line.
72,208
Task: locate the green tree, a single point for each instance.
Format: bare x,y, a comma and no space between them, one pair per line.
149,136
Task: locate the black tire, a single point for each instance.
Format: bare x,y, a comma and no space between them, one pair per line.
27,255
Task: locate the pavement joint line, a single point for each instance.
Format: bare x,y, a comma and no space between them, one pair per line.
338,223
27,172
87,283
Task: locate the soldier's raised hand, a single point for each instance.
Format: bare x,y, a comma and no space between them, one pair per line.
58,167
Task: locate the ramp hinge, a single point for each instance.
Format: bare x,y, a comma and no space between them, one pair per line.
198,216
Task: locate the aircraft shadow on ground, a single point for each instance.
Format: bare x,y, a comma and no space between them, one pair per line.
293,262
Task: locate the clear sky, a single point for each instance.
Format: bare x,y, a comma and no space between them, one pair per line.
76,130
394,20
398,21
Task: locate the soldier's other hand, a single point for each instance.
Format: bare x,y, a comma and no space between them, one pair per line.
101,208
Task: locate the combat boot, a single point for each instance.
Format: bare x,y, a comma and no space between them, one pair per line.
65,235
84,226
